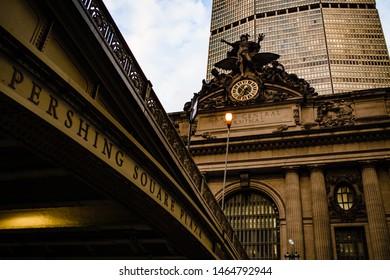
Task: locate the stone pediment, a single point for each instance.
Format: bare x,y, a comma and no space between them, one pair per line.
269,93
247,77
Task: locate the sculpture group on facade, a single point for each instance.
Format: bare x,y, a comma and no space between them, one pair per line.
332,113
242,53
245,61
247,76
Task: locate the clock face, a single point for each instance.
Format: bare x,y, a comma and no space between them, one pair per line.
244,90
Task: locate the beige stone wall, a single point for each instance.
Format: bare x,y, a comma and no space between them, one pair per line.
42,36
322,145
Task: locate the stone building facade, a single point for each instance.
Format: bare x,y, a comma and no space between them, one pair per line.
304,173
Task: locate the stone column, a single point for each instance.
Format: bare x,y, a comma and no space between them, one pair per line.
379,232
321,223
294,221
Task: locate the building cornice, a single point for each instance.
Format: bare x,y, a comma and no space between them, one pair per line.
294,139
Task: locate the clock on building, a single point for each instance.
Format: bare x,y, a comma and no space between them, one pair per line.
244,90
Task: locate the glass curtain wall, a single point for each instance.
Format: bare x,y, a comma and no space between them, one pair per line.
335,45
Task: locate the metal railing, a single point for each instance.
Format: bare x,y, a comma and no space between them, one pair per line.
124,57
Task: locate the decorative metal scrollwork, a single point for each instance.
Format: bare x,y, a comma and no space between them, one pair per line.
116,43
130,67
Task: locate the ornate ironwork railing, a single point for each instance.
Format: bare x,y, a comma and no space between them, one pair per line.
110,33
124,57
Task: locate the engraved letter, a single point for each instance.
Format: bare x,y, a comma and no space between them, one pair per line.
17,78
35,92
119,160
107,148
83,129
68,123
52,107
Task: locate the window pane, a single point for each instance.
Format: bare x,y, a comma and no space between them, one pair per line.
345,197
256,222
351,243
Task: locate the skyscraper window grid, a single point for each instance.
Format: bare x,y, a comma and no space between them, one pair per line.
356,43
300,40
336,46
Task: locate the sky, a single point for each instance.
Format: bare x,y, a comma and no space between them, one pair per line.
169,39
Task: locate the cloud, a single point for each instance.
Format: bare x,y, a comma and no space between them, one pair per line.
383,7
169,39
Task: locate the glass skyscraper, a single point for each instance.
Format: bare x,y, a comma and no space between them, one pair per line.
335,45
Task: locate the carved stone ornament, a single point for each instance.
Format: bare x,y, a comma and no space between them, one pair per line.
208,136
297,117
247,76
353,182
280,128
331,114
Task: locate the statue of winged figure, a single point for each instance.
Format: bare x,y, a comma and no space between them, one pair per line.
245,54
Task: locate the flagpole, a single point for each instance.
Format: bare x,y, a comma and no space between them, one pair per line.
191,117
189,135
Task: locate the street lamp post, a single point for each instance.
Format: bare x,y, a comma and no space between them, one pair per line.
292,256
228,120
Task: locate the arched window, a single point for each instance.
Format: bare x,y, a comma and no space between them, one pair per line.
255,218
